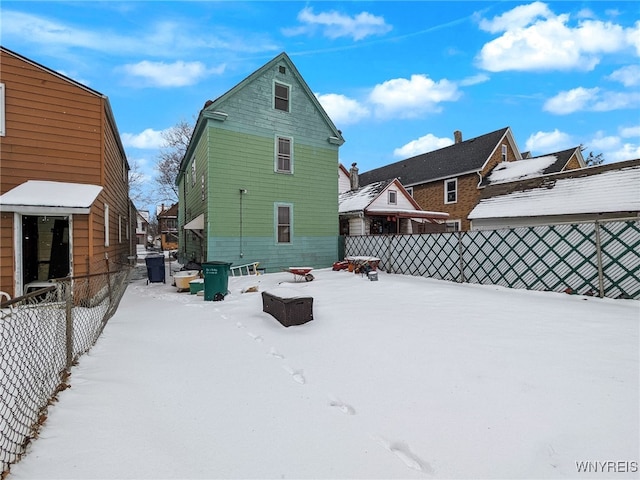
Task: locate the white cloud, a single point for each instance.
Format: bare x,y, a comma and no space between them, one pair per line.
519,17
474,80
590,99
409,98
612,147
427,143
571,100
341,109
629,76
541,143
535,39
628,132
336,25
176,74
148,139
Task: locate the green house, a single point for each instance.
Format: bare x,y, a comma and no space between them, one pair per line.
258,182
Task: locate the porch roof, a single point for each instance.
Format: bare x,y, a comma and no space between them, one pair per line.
47,197
195,224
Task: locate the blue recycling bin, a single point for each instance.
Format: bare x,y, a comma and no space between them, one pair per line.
155,269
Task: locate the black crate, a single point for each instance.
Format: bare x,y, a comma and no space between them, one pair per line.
288,311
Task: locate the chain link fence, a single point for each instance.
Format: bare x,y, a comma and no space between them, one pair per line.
600,258
42,334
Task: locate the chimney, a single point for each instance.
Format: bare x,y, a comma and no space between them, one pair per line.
353,176
457,136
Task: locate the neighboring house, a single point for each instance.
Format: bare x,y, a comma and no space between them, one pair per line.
142,227
64,196
603,192
383,208
450,179
168,227
258,179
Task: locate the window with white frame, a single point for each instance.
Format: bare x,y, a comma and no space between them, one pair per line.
504,153
106,225
193,172
119,228
283,159
283,213
409,190
393,197
202,187
281,96
2,111
453,225
451,190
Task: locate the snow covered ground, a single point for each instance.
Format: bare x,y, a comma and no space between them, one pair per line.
405,377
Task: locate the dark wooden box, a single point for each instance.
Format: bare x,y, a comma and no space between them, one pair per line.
288,311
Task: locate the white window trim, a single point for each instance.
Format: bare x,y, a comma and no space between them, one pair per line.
446,190
504,153
456,223
276,145
106,225
276,206
394,194
409,191
277,82
193,172
2,111
119,228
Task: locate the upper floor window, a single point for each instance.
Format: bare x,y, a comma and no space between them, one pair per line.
193,172
504,153
106,225
451,190
2,121
281,96
410,191
393,197
284,223
283,155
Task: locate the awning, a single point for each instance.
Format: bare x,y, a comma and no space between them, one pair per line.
45,197
196,224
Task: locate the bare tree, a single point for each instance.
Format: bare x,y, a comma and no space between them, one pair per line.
592,160
137,193
176,140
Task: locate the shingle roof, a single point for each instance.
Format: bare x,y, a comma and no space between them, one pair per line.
459,158
597,190
358,200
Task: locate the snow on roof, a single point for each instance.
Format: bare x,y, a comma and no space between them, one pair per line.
358,200
46,195
520,169
610,191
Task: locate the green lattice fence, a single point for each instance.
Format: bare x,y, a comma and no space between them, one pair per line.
586,258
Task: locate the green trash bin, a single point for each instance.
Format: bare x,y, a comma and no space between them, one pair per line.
216,280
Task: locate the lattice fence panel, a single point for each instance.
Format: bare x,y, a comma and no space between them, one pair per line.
620,245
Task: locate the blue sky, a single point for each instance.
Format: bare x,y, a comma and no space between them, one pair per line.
396,77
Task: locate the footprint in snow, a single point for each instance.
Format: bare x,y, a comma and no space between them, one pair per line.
240,325
257,338
295,374
404,453
341,406
274,353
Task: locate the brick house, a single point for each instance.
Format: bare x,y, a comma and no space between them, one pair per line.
450,179
168,227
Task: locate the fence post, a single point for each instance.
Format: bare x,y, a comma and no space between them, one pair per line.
460,257
599,260
69,323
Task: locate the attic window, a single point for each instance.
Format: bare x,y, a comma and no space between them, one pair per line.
281,97
393,197
282,69
504,153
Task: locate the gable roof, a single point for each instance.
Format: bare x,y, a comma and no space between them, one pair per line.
466,157
531,167
172,211
210,110
362,200
603,189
